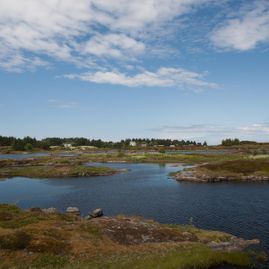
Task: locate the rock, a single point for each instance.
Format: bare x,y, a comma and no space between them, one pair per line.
97,213
73,210
50,210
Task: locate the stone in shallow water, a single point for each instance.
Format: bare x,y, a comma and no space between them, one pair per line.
97,213
73,210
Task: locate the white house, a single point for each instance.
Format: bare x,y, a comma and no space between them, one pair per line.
67,145
133,144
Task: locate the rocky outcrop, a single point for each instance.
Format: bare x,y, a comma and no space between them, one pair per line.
195,175
73,210
234,244
50,210
97,213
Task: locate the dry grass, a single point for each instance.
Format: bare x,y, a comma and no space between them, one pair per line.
37,240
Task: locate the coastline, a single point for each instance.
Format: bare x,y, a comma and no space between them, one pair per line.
45,238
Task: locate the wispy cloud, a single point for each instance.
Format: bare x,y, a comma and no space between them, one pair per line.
246,29
163,77
214,133
62,104
86,33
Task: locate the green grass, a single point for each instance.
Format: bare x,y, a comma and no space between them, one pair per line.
11,217
190,257
246,167
49,261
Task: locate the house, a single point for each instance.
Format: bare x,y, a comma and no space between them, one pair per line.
132,144
67,145
87,147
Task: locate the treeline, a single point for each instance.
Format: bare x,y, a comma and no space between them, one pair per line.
236,142
28,143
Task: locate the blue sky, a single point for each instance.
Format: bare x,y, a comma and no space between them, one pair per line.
184,69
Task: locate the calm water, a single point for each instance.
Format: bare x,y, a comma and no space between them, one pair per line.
20,156
241,209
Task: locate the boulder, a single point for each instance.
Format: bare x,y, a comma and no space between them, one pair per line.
50,210
97,213
73,210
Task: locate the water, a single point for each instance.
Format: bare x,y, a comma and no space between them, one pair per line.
238,208
20,156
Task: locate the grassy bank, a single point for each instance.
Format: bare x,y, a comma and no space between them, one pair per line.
33,239
254,169
55,171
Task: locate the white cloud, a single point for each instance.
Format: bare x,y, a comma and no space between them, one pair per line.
214,133
245,32
112,45
81,32
163,77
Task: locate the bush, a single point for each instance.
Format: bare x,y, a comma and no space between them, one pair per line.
28,146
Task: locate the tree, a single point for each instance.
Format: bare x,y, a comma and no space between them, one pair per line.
28,146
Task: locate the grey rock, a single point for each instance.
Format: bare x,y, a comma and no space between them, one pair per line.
97,213
50,210
73,210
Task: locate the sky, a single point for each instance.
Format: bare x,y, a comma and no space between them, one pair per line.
179,69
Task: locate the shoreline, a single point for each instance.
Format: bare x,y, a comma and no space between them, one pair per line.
115,242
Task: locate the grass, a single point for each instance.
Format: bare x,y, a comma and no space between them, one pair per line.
54,241
11,217
241,169
57,171
245,167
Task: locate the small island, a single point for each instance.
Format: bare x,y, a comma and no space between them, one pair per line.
45,238
242,170
52,167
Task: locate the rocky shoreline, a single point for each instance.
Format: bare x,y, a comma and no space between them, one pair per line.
53,168
46,238
242,170
193,175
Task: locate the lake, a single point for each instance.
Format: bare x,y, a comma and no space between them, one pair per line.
238,208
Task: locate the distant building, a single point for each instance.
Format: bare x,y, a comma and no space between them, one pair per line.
144,145
67,145
133,144
87,147
172,146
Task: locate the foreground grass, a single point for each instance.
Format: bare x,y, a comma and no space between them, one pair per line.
33,239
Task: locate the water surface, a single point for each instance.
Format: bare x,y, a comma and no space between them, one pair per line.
146,190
